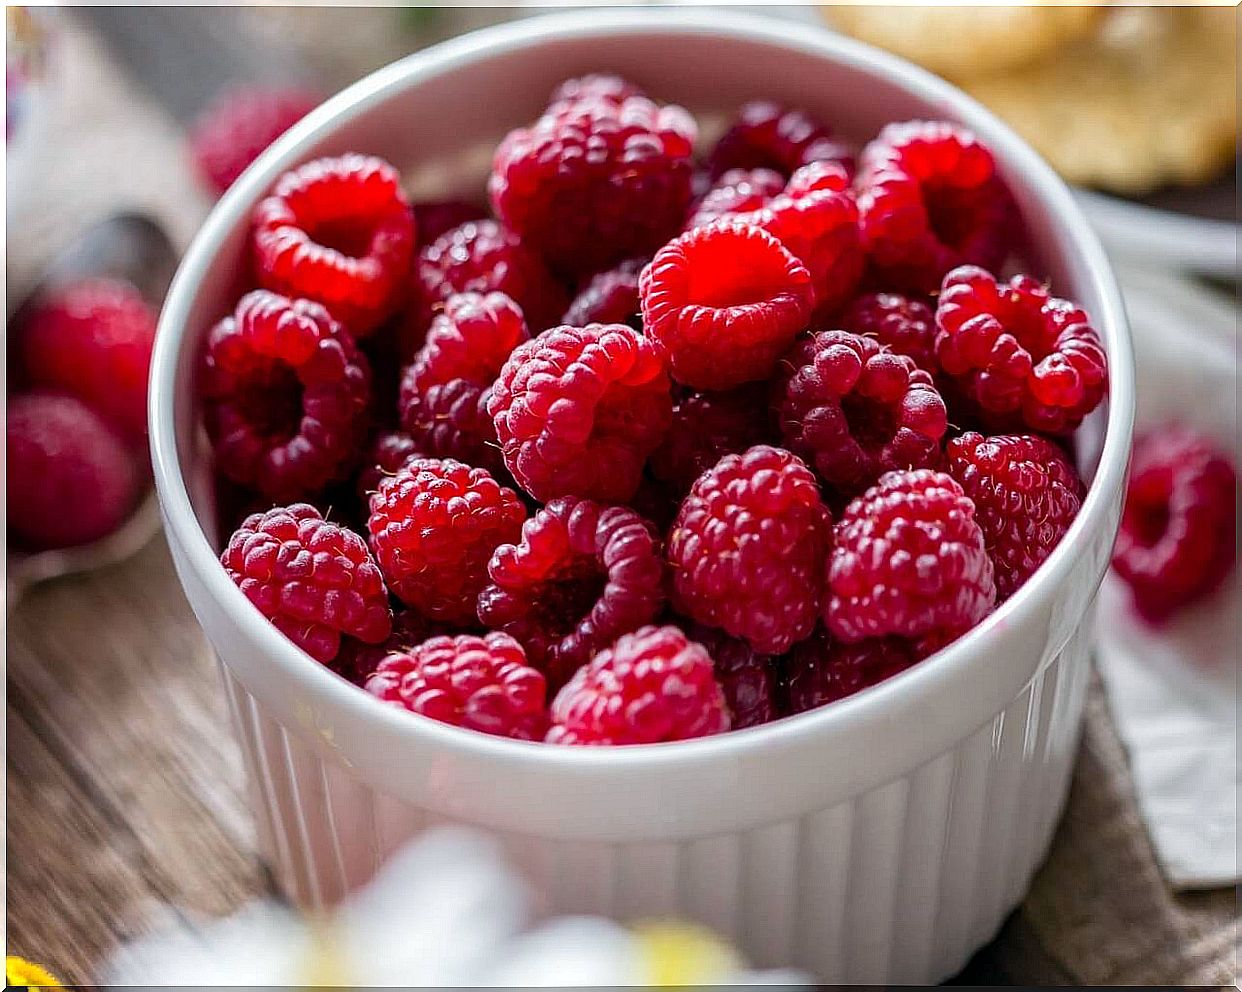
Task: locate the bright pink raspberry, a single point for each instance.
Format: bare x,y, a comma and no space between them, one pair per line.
582,575
738,191
286,395
853,409
433,526
906,324
610,297
748,679
578,410
651,686
724,302
1178,539
312,579
434,218
909,559
769,136
748,548
600,86
821,670
339,231
387,454
1026,494
705,428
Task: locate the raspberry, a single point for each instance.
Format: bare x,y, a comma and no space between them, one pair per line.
93,339
312,579
820,670
592,183
1026,494
433,526
483,257
237,128
286,394
338,231
738,191
907,325
434,218
909,559
748,679
705,428
769,136
480,683
748,547
578,410
443,399
70,478
357,660
930,199
582,575
1017,351
853,409
600,86
388,454
1178,538
610,297
724,302
652,685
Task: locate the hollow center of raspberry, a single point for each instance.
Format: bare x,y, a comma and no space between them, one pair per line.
952,219
272,403
347,237
872,424
568,596
1147,510
734,272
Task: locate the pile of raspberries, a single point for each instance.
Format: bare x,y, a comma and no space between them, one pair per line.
662,445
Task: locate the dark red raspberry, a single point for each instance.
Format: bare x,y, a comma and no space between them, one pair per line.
748,549
748,679
582,575
930,199
909,559
357,660
769,136
1026,494
434,525
853,409
578,410
820,670
434,218
443,399
592,183
610,297
738,191
339,231
286,394
1178,539
656,501
71,479
480,683
388,454
651,686
705,428
483,257
905,324
600,86
1017,350
724,302
237,128
312,579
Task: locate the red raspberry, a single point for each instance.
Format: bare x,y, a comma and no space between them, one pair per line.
483,257
582,575
312,579
443,399
434,218
480,683
93,339
237,128
769,136
738,191
70,478
578,410
705,428
853,409
724,302
748,679
909,559
592,183
1026,494
339,231
388,454
748,547
930,199
1016,350
286,395
1178,539
820,670
651,686
610,297
357,660
599,86
905,324
434,525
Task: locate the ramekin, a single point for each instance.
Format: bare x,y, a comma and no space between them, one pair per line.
881,839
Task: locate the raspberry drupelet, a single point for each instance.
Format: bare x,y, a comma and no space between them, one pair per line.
480,683
609,297
581,575
433,526
748,548
738,191
748,679
339,231
1018,352
651,686
705,428
905,324
286,395
578,410
604,87
821,670
769,136
313,580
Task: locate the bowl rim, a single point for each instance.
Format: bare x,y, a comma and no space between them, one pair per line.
845,716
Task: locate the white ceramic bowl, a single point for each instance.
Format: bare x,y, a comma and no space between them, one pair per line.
881,839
